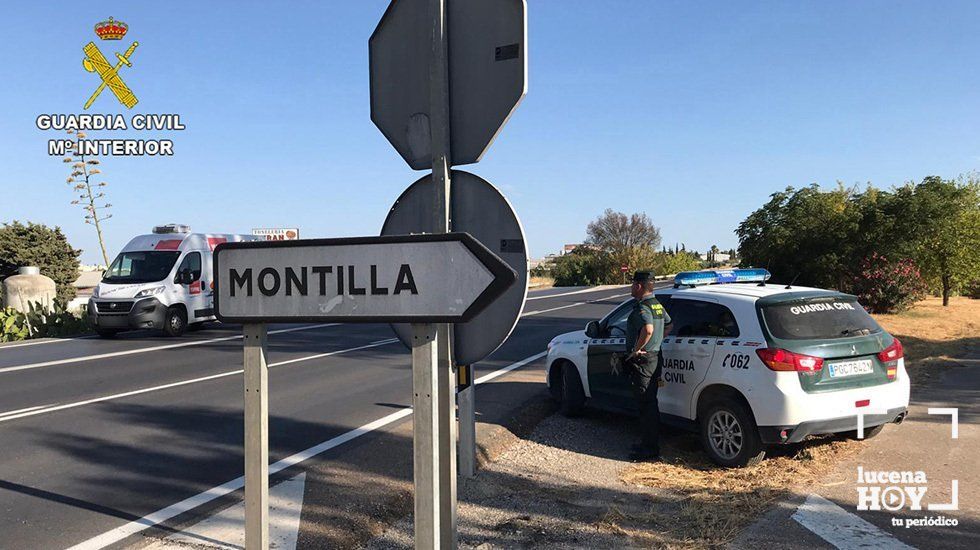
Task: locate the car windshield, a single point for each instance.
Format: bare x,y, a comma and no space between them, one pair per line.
140,267
819,319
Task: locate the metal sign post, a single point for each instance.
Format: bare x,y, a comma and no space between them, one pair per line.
422,52
443,488
256,438
467,421
425,428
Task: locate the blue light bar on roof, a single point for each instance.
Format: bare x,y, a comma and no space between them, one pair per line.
709,277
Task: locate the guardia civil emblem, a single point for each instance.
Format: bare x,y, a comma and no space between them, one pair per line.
95,62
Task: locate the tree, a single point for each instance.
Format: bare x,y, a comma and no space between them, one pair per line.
630,240
91,201
38,245
822,238
805,234
940,221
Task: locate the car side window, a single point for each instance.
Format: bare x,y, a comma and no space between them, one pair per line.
697,318
614,325
192,263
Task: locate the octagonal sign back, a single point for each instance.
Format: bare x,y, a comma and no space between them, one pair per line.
487,75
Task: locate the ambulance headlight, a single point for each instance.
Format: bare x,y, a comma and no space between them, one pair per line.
152,291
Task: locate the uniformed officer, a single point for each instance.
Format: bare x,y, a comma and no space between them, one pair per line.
644,333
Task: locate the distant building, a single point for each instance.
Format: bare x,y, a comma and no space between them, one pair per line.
568,248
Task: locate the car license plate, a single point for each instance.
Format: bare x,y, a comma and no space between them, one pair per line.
851,368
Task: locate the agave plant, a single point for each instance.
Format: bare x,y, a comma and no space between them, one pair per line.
94,204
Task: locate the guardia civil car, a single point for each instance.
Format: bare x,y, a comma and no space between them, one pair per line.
746,363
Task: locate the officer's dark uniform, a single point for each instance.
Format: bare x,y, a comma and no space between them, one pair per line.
644,370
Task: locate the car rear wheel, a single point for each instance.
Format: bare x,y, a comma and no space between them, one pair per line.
730,437
175,322
572,394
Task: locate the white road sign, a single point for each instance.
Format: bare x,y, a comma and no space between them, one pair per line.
414,278
487,75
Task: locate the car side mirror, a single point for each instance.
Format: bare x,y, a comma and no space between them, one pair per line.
592,329
183,277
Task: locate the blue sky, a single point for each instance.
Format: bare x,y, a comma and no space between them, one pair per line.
693,112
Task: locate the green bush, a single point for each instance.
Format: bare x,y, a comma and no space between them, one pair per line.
667,264
38,245
584,267
13,325
38,323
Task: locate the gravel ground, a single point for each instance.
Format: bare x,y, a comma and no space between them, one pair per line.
558,488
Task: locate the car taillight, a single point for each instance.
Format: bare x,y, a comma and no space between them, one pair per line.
782,360
890,356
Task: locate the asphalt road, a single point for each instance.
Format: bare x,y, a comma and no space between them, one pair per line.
95,434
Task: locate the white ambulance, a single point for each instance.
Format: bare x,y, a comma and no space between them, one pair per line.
159,281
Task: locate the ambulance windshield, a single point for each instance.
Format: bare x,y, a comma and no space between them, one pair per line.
140,267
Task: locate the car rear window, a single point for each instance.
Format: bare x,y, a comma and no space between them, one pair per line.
818,319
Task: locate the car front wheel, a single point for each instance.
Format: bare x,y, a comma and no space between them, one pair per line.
175,322
730,437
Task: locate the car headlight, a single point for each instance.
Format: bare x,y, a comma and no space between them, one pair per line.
95,291
152,291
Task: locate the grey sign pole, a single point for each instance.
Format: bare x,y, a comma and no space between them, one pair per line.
256,438
467,424
425,360
444,450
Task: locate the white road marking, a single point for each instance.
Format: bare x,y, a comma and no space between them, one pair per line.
25,410
329,353
174,510
226,529
44,341
580,291
530,313
842,528
500,372
36,410
154,348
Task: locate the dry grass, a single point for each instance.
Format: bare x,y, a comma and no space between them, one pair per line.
711,505
933,335
541,282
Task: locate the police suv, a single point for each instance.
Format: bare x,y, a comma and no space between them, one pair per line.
746,364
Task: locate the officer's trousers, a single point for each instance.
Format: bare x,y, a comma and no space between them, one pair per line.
644,371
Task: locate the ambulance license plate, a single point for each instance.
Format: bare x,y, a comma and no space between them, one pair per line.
851,368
